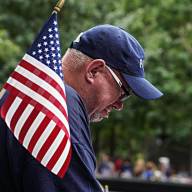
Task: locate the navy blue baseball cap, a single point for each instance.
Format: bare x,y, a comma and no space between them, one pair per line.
122,52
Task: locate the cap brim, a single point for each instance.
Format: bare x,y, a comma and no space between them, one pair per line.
142,88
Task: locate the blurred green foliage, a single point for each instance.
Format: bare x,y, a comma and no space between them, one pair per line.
164,29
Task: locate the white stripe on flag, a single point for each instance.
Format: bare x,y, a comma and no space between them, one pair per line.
44,68
52,149
34,95
34,126
12,110
62,158
43,138
22,119
41,83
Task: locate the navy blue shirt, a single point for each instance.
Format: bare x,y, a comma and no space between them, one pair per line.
20,172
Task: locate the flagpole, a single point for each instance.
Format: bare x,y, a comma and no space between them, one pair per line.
59,5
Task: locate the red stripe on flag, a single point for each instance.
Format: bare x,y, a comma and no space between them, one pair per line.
6,105
36,88
48,143
38,133
27,125
57,153
38,106
44,76
63,169
17,114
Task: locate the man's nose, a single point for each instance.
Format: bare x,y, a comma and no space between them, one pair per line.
118,105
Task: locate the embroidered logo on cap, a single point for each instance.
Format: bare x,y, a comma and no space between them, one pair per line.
141,63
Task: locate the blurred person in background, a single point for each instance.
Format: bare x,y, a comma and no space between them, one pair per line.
106,166
126,169
149,171
118,164
139,169
163,172
165,168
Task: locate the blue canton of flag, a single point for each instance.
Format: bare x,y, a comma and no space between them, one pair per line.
33,102
46,47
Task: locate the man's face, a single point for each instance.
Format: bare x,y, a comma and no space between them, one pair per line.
100,115
109,97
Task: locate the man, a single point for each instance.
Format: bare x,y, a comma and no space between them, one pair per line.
102,67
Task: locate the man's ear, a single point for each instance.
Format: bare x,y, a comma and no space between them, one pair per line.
93,69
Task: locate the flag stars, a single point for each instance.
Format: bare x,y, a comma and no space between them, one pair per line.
47,56
45,43
50,36
46,49
41,57
55,67
61,74
52,48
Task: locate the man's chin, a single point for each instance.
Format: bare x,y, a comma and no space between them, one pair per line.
96,118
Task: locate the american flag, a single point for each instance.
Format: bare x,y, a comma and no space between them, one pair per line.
34,102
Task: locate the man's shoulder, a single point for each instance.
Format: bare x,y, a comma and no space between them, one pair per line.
77,113
75,102
71,93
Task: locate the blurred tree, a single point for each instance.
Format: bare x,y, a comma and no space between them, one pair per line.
8,53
